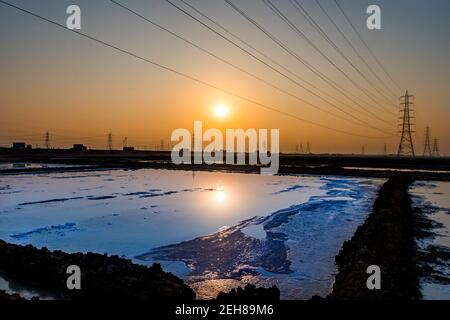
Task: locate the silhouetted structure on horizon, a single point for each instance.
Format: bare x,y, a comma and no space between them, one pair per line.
406,146
78,147
427,143
19,146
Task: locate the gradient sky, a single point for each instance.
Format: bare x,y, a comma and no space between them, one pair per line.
52,79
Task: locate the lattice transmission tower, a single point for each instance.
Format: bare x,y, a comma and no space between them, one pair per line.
435,148
308,148
406,146
47,140
110,142
427,143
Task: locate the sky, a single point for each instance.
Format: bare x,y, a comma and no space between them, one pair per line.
79,90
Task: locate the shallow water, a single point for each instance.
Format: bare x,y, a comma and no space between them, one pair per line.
434,199
131,212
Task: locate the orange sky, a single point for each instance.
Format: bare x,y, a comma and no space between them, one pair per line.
79,90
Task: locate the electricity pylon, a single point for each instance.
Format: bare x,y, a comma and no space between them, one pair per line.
110,141
308,148
47,140
435,148
406,146
427,144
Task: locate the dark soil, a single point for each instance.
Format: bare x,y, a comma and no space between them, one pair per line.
103,277
386,239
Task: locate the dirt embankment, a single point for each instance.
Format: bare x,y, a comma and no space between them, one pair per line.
103,277
386,239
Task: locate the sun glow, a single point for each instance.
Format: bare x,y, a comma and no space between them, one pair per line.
220,194
221,110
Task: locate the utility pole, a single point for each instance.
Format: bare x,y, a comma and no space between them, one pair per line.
406,146
125,142
427,144
110,141
363,150
385,149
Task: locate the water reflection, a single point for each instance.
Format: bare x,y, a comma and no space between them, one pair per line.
220,194
131,212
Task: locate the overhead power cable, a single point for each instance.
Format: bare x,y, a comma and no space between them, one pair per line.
331,83
262,61
184,75
367,46
313,22
275,39
360,121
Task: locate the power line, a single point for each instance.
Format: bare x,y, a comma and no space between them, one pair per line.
181,73
239,68
330,82
279,72
277,12
312,21
366,45
292,53
276,70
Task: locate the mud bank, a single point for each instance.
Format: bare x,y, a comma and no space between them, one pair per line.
386,239
103,277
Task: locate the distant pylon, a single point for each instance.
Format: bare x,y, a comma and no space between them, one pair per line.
47,140
308,148
301,149
435,148
162,145
406,146
110,146
427,143
363,150
385,149
125,142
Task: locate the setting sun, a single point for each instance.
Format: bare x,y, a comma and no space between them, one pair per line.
221,110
